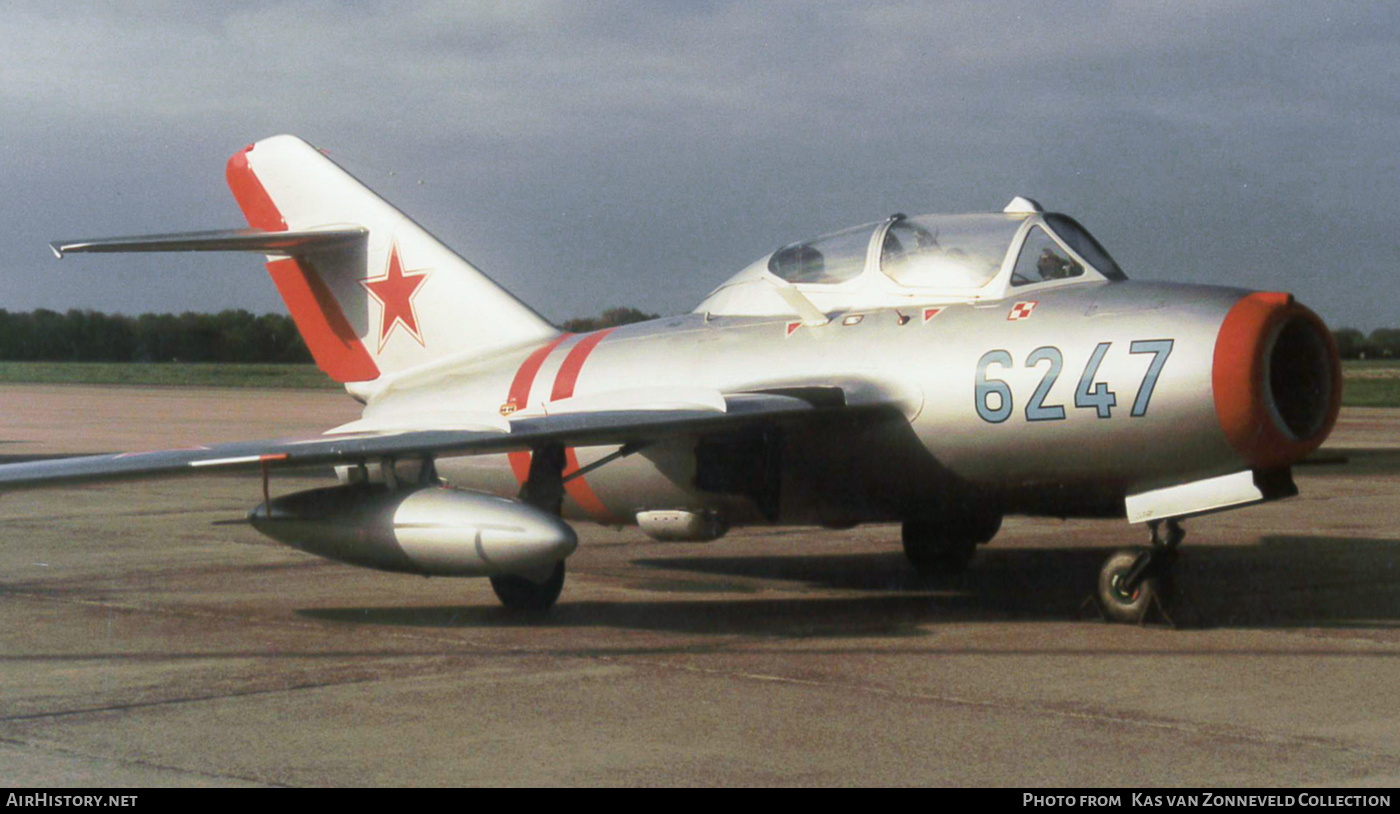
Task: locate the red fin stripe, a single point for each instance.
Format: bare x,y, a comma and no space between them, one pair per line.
329,336
519,396
252,198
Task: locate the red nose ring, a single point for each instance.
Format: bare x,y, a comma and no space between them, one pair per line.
1276,379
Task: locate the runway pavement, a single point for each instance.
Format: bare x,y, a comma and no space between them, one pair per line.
142,644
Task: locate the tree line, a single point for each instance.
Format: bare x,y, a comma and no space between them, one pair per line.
92,336
610,318
228,336
1382,343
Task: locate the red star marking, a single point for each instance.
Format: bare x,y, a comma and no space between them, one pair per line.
395,292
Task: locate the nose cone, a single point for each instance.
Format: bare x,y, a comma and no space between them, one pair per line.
1276,379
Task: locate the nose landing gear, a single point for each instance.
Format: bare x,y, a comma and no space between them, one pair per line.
1134,582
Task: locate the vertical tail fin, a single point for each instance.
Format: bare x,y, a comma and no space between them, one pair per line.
396,300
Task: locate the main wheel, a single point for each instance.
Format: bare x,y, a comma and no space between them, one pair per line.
1121,604
519,593
933,551
944,543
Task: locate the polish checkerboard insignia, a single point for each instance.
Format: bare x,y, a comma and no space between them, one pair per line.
1021,310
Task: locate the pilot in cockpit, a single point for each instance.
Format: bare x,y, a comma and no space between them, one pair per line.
1052,266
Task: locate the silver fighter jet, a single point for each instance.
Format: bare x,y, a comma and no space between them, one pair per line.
939,371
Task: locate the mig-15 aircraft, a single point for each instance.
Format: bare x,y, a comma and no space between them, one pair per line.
940,371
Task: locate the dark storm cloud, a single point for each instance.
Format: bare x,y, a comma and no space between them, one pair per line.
596,154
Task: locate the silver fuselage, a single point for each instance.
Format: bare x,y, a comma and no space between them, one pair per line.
1055,446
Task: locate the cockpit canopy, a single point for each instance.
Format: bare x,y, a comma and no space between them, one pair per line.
928,258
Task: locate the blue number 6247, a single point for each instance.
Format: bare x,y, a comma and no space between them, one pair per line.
994,402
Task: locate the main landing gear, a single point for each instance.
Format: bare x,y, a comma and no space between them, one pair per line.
523,594
543,489
943,544
1133,582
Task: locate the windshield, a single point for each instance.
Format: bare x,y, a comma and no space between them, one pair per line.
1042,259
947,251
1084,245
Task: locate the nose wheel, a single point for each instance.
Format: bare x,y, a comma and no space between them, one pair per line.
1135,582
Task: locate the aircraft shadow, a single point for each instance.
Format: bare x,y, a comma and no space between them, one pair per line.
1351,462
1284,582
846,616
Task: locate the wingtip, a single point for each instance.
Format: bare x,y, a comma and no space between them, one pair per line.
57,248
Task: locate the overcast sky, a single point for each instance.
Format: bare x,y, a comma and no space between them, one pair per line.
589,154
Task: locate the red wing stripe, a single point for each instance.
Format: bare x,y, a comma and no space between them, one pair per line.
519,397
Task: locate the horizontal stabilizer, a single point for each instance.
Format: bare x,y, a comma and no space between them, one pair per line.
219,240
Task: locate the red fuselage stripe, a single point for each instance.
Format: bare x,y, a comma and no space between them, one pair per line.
582,493
564,382
573,363
519,397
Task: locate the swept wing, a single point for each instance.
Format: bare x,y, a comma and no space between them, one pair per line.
590,428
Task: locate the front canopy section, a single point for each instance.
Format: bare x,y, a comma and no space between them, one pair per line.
911,260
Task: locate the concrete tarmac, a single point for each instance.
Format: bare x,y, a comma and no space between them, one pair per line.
144,644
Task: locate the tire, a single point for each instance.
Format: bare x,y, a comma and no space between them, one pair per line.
932,552
521,594
1118,604
981,527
